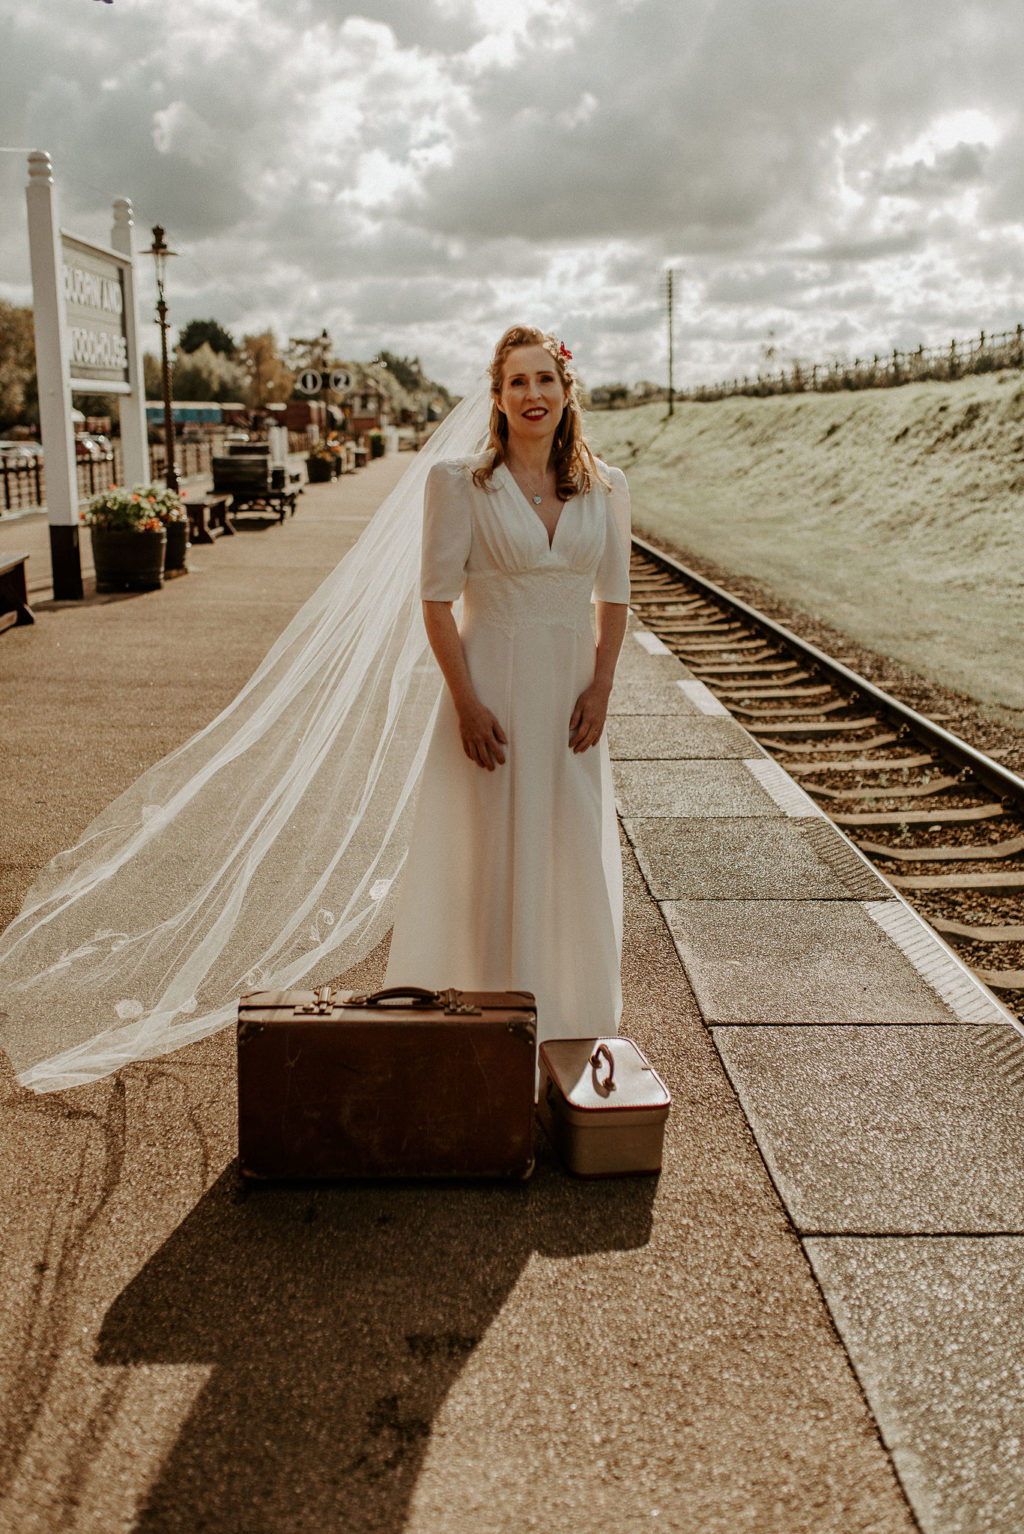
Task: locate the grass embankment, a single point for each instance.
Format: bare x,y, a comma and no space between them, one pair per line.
895,515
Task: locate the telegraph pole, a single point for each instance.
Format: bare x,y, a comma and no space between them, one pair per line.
668,298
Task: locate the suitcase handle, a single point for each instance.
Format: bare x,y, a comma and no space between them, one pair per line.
450,1000
602,1051
396,992
326,1001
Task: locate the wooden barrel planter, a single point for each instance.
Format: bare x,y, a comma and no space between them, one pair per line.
176,552
126,560
319,470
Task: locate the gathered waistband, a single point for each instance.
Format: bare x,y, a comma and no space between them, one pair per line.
538,598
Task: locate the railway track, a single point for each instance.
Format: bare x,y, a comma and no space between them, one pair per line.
942,822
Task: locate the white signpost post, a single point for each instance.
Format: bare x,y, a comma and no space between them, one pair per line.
87,342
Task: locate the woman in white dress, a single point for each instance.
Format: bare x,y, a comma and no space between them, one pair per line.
514,876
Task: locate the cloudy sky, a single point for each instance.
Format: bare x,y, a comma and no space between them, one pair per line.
833,177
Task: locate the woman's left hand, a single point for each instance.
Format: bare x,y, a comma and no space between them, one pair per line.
587,723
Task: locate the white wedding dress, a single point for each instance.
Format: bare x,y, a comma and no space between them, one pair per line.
514,877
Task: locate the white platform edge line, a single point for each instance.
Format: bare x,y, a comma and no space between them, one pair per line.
704,698
650,642
787,794
938,965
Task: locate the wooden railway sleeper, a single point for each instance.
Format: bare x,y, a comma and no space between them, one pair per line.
859,764
899,791
833,727
748,668
986,852
961,815
769,692
955,929
875,744
795,712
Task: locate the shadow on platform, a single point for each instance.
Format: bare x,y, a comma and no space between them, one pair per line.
336,1320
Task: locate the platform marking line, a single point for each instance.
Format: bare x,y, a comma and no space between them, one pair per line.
704,698
937,966
650,642
847,863
787,794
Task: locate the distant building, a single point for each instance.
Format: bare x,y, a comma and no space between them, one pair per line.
195,412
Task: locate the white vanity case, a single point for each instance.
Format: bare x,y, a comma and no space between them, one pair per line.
602,1106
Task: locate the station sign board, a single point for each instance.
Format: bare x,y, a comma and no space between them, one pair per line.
96,314
87,340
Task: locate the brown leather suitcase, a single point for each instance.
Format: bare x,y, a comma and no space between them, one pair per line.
401,1083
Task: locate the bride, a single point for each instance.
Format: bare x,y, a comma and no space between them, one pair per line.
266,851
514,878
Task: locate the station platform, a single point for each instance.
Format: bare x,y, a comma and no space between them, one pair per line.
810,1321
882,1083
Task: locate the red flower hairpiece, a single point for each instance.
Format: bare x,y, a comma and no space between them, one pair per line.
563,351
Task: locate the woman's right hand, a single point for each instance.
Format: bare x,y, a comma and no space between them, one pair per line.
482,736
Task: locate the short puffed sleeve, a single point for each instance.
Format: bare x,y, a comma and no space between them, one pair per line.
611,583
447,532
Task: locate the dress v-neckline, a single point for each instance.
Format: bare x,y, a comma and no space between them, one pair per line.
534,513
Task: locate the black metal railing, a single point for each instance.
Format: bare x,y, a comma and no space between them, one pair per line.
23,480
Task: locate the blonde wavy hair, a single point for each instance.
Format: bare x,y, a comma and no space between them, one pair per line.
571,458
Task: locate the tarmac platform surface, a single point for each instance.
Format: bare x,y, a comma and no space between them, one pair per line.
810,1321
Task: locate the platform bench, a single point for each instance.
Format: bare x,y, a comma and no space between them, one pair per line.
208,517
14,608
250,483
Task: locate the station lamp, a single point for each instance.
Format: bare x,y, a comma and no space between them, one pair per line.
160,253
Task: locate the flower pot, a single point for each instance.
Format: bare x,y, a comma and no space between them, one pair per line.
319,470
128,560
176,552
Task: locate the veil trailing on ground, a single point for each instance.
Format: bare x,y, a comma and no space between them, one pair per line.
263,852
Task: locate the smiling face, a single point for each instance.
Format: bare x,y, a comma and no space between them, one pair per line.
532,396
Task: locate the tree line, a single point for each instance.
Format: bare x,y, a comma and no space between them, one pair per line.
208,364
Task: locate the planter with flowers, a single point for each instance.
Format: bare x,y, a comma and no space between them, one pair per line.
128,541
320,464
169,507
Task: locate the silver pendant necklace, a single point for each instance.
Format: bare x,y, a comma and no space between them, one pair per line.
536,498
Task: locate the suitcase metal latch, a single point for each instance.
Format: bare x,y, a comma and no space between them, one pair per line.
323,1004
454,1006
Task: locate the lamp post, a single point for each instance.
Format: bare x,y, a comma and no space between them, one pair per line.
160,252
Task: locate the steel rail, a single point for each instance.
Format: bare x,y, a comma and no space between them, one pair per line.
992,773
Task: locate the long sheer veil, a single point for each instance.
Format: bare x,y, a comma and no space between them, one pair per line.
263,852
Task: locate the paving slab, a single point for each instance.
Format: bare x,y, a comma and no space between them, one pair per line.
661,736
749,859
933,1326
769,961
716,788
887,1130
640,663
650,698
